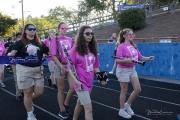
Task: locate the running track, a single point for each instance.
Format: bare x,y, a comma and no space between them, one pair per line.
157,101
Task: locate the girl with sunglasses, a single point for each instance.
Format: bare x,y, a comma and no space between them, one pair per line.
29,75
127,53
84,57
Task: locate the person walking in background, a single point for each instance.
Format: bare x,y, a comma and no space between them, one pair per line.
19,93
113,38
127,53
29,75
51,64
85,59
113,71
9,43
2,53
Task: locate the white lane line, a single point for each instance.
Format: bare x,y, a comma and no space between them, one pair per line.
153,87
118,109
51,88
161,88
142,96
44,110
107,106
38,107
167,102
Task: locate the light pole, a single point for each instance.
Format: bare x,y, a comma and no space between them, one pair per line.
22,10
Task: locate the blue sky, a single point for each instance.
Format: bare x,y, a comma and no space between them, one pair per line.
34,8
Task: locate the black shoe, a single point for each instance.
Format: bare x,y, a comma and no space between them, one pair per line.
63,115
49,82
19,98
67,108
54,86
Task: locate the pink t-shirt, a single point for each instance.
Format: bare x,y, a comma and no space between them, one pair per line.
67,42
126,50
50,44
84,66
2,48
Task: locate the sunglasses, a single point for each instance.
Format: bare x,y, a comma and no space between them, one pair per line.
64,28
131,34
89,33
31,29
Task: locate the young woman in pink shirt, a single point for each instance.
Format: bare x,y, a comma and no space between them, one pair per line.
127,53
61,64
85,59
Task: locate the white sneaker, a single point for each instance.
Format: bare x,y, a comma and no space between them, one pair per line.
2,85
124,114
128,109
31,117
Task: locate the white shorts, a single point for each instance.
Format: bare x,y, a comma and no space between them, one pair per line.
1,68
55,69
125,74
84,97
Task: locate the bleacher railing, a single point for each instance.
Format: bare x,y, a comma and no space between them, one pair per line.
167,39
91,22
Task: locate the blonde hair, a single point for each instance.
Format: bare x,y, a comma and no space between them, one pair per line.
121,38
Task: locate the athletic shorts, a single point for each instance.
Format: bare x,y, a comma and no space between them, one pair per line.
84,97
29,76
125,74
54,69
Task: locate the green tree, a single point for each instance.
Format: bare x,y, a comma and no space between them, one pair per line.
6,23
60,14
163,2
134,18
42,24
83,10
100,6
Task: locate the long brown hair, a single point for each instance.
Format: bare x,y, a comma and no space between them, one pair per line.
81,46
24,38
121,38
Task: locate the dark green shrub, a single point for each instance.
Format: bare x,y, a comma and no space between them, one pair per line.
163,2
134,18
